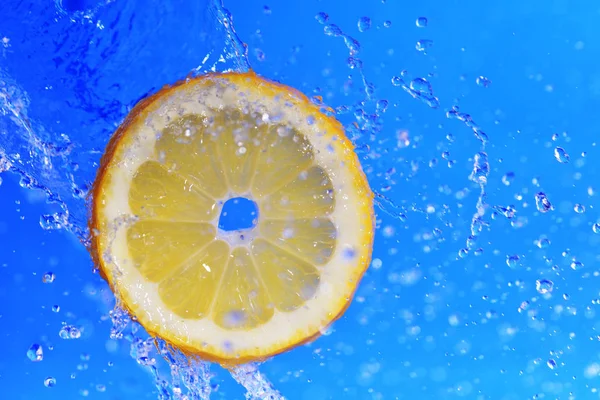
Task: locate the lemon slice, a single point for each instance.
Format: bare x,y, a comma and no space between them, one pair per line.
231,296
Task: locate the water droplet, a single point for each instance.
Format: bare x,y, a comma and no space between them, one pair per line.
544,286
332,30
596,228
421,22
508,178
420,88
424,45
555,137
364,23
579,208
354,46
542,243
542,203
512,261
50,382
508,212
576,265
349,253
551,364
69,332
397,81
481,168
471,242
387,24
48,277
322,17
267,10
259,54
56,308
462,253
382,106
35,353
524,306
561,155
483,81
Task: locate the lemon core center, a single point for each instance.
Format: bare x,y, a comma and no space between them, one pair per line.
238,214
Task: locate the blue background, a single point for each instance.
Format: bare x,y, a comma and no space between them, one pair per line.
426,322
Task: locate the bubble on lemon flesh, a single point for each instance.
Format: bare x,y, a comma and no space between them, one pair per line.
243,295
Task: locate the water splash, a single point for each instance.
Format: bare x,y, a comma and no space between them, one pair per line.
481,170
258,387
189,377
354,63
418,88
239,53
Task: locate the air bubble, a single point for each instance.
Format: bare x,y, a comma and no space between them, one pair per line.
421,22
387,24
596,228
579,208
551,364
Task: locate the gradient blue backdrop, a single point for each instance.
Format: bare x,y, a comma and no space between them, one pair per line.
426,323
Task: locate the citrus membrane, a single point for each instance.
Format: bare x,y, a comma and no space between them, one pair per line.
240,295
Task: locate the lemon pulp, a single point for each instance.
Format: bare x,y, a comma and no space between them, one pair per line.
232,296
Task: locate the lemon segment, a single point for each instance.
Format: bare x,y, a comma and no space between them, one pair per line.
187,147
312,240
243,295
243,301
309,194
159,194
158,248
290,280
190,290
285,153
239,141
